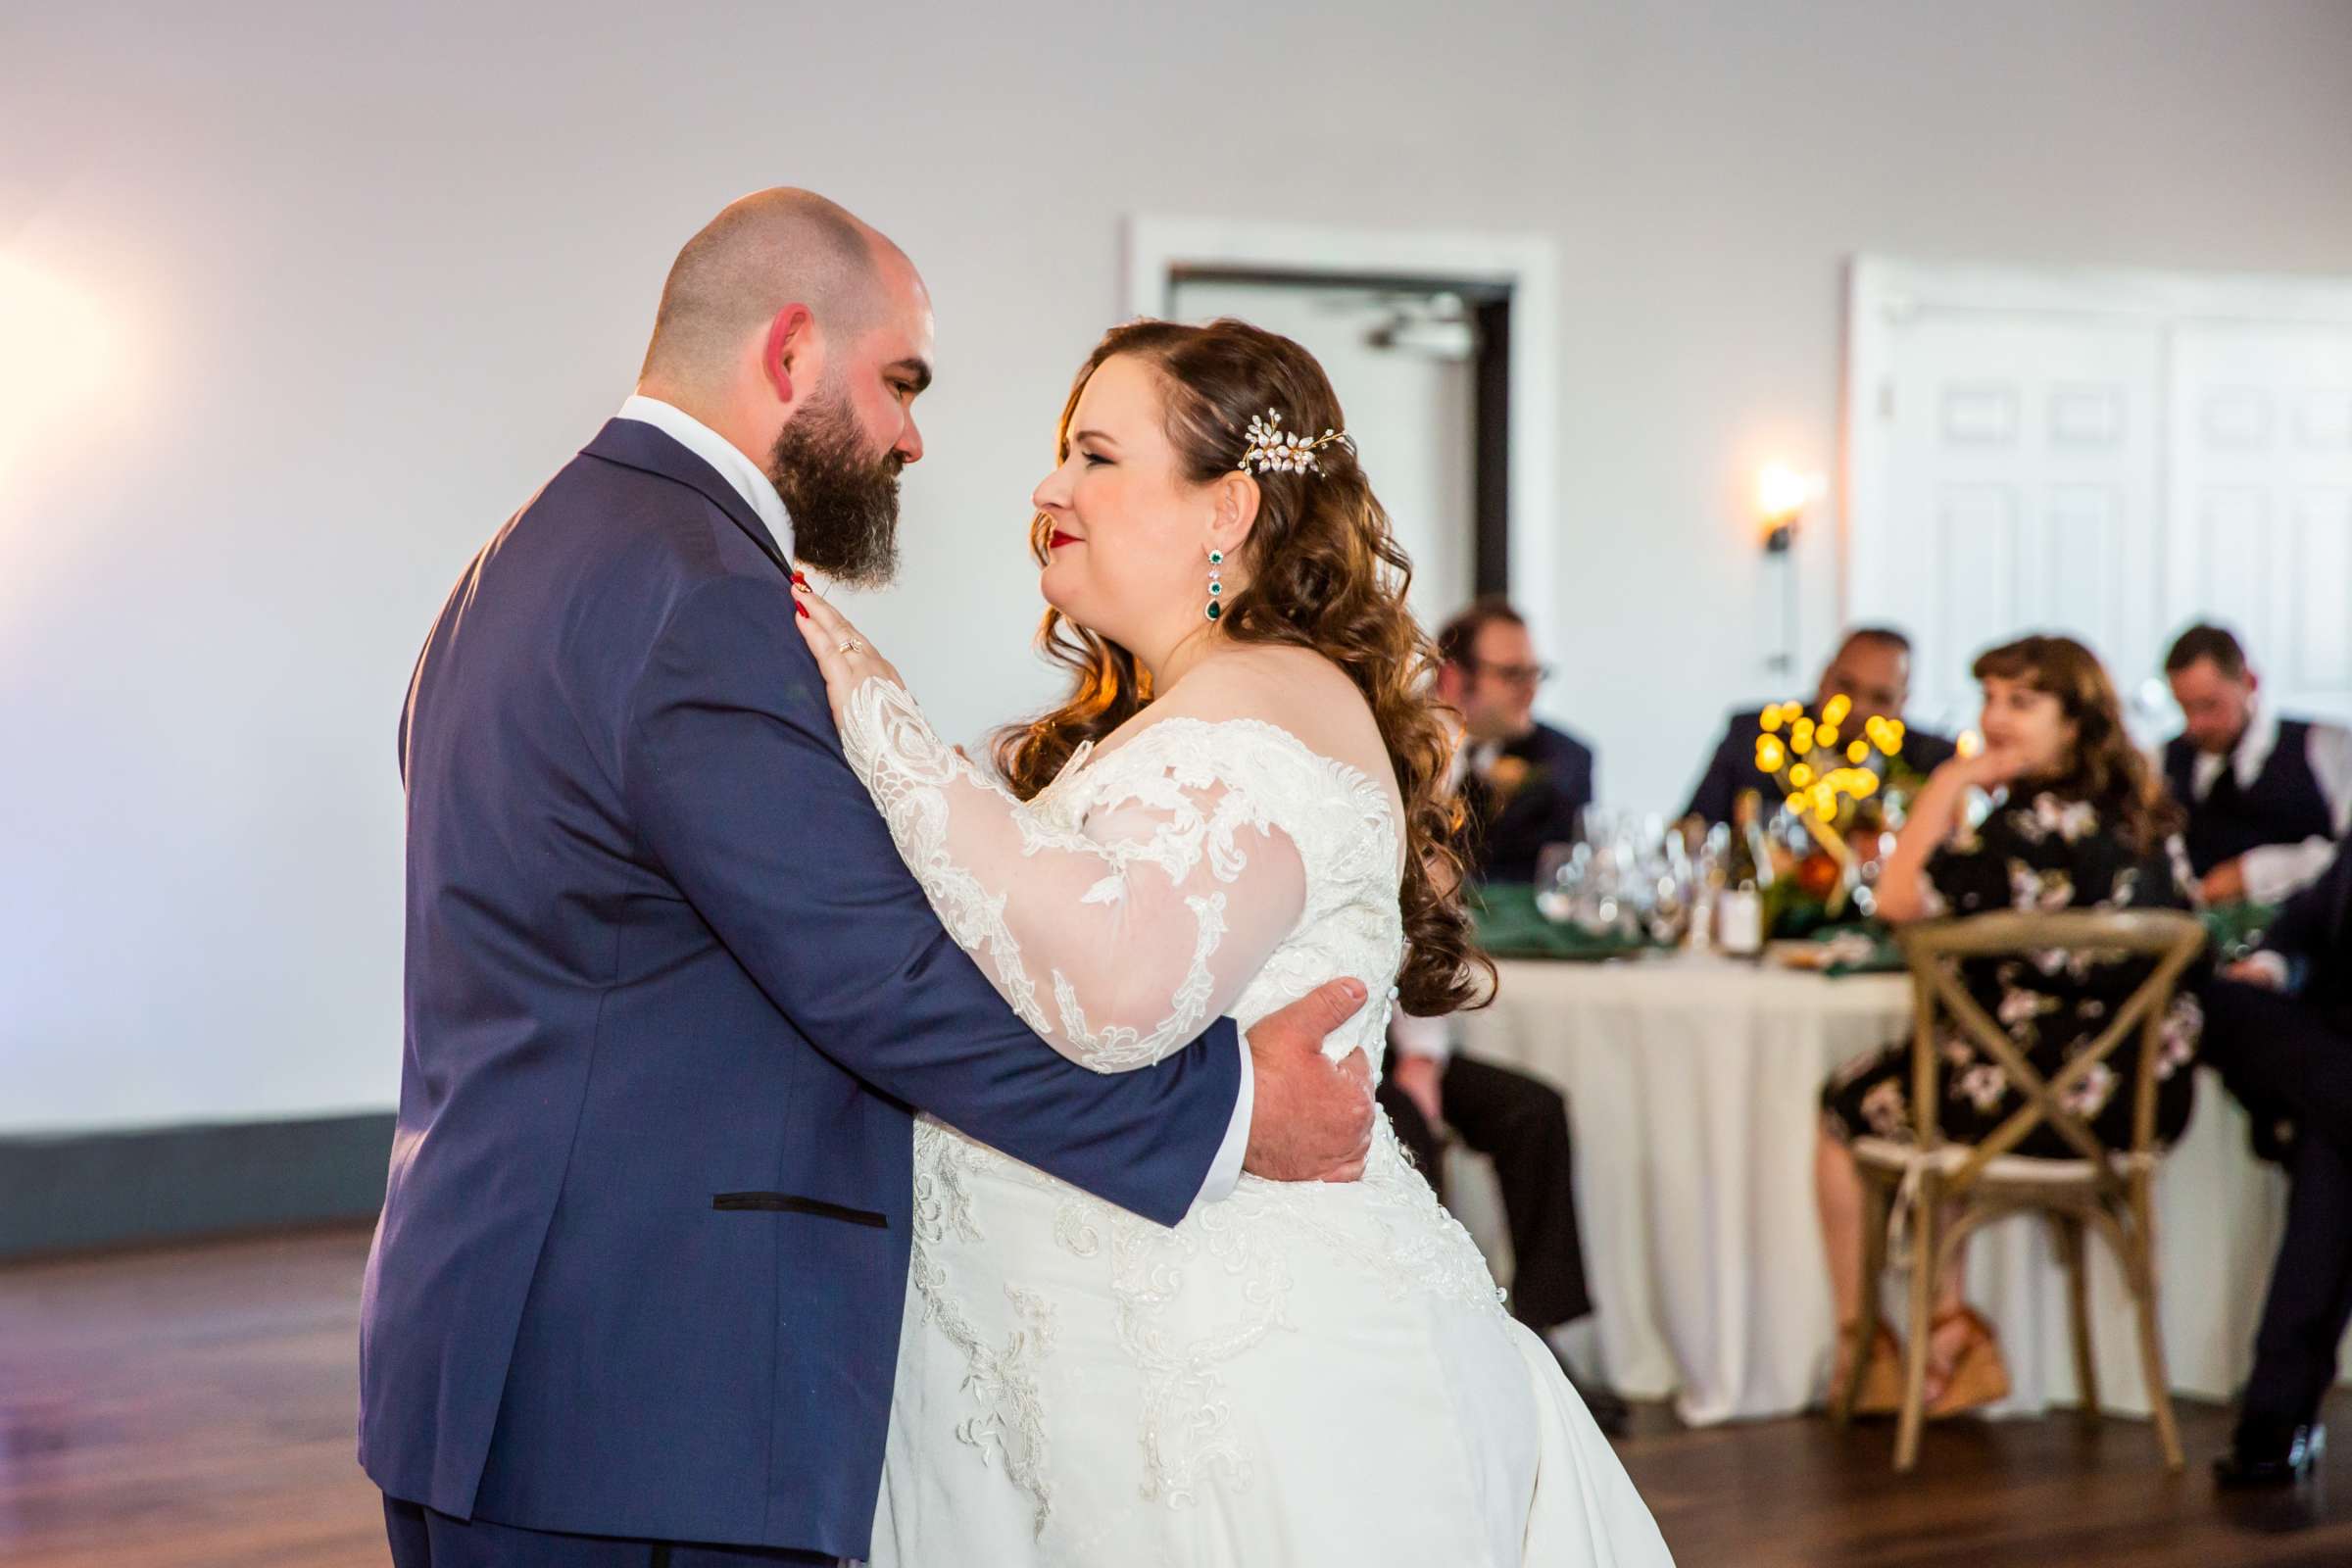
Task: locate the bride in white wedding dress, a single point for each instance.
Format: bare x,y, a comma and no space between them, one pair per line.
1314,1373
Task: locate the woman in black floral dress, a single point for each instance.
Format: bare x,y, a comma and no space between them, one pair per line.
2076,820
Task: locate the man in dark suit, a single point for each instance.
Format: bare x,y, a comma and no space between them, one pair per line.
671,997
1524,783
1872,670
2267,796
2278,1027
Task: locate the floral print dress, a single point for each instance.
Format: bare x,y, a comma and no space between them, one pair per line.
2042,852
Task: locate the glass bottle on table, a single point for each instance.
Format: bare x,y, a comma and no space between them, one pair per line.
1714,847
1747,873
1672,908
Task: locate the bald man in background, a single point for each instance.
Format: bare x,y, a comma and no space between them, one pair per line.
1872,670
671,997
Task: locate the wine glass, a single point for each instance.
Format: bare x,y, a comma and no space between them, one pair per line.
1559,871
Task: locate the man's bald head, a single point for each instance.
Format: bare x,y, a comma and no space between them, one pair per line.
802,338
1872,670
771,249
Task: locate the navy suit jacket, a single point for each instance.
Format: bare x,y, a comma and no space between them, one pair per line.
1507,835
670,996
1732,767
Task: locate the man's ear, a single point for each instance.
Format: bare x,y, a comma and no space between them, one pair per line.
1232,503
791,345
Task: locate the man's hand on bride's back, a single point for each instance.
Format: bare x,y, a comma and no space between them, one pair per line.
1311,1117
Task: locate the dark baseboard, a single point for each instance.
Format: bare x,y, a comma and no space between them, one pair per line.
74,1191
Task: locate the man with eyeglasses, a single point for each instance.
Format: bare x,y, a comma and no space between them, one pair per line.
1524,784
1872,671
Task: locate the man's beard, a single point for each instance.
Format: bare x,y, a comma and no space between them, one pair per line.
843,503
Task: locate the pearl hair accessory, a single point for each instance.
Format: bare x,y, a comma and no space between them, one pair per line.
1274,450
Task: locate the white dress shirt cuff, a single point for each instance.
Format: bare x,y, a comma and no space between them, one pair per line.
1420,1037
2276,872
1225,1171
2273,966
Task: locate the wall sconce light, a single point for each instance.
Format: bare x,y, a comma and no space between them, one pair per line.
1782,494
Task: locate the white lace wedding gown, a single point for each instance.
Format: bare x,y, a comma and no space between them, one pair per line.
1298,1374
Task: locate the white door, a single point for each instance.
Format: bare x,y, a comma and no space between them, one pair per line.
1410,408
2260,472
2113,455
2022,465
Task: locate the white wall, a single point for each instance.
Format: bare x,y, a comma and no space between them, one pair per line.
367,275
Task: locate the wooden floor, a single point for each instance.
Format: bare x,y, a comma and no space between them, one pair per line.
194,1407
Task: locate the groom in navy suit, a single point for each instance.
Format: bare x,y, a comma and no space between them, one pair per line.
672,999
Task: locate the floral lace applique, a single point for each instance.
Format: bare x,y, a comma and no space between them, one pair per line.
1215,790
1199,816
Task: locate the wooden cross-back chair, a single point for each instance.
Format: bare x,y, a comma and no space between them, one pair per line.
2110,1190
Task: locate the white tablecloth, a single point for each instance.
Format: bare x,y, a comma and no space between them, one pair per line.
1693,1088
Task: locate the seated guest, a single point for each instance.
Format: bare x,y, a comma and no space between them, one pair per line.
1525,784
2279,1026
2078,820
1518,1122
2266,795
1872,670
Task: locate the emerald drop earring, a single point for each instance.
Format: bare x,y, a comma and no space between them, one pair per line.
1216,585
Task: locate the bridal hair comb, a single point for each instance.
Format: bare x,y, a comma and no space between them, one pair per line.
1274,450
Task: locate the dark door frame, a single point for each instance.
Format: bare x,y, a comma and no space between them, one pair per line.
1490,397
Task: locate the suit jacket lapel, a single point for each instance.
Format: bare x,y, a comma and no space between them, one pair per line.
633,444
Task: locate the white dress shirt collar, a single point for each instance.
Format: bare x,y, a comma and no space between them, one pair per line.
2254,747
740,471
2246,759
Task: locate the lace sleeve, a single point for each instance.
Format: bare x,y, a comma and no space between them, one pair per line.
1141,927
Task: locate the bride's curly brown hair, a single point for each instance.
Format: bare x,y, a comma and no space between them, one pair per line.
1324,573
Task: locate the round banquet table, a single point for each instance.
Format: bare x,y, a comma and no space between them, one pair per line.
1694,1086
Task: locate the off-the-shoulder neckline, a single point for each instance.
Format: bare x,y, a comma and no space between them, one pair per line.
1094,755
1356,778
